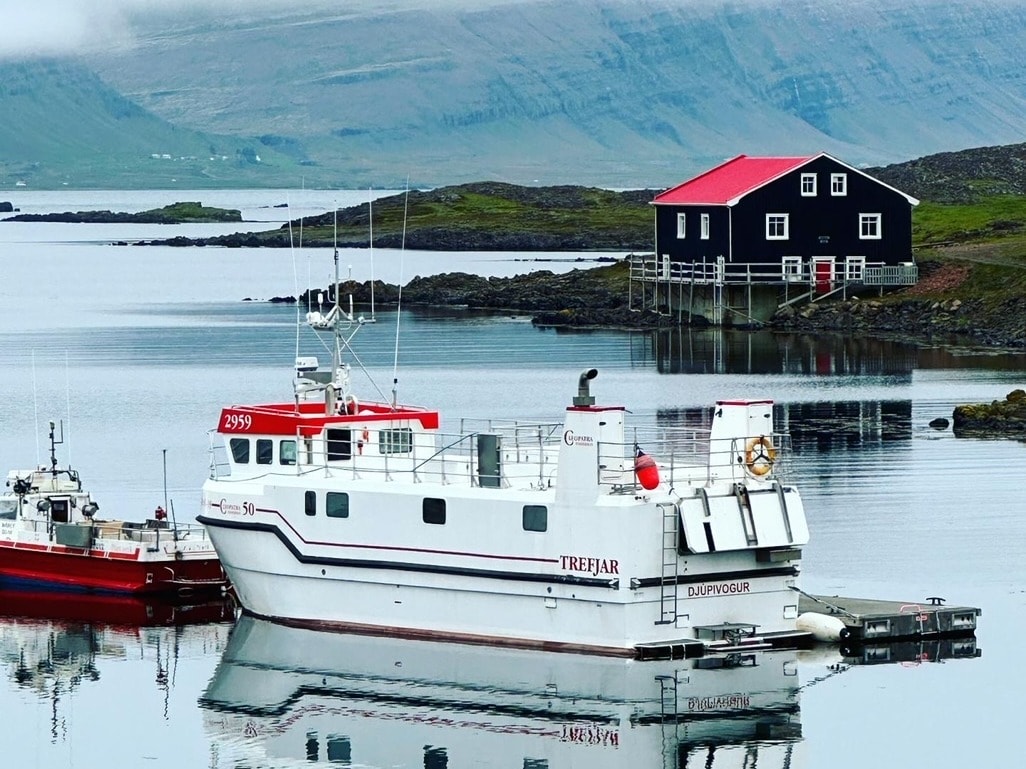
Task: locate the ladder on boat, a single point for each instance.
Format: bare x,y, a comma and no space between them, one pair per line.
670,564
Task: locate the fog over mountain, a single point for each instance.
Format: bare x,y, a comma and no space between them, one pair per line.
630,93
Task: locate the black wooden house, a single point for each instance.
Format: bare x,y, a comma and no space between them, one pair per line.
755,233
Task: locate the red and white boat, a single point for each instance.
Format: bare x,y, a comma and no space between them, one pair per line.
52,534
331,511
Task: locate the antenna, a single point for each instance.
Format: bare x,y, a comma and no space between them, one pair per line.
67,396
370,222
399,301
35,407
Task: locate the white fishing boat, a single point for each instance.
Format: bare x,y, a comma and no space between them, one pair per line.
587,534
284,696
52,534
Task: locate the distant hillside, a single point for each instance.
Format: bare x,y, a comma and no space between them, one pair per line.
63,125
595,92
960,177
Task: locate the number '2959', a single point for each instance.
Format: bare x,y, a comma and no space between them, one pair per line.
237,422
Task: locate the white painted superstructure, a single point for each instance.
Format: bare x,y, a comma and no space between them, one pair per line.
588,534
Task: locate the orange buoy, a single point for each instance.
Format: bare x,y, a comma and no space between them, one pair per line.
646,470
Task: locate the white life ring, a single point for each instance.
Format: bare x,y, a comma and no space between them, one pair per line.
760,454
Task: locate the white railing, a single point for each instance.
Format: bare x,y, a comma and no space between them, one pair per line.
655,270
527,457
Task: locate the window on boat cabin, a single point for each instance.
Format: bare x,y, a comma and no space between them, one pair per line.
264,451
869,226
838,184
310,503
434,510
8,510
396,441
536,518
340,444
681,225
240,450
287,453
808,185
776,226
59,510
337,504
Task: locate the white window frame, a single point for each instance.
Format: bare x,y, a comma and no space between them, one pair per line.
808,185
791,269
681,226
838,184
854,268
704,219
870,226
777,226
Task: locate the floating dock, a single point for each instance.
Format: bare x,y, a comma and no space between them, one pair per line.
871,632
867,620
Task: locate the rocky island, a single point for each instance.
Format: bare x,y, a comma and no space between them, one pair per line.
176,213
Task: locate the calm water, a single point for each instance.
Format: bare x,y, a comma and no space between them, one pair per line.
136,349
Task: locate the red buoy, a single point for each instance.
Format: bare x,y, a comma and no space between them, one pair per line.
646,470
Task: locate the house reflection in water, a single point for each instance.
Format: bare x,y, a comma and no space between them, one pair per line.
725,351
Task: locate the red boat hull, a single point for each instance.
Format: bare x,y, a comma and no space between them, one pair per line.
94,570
110,609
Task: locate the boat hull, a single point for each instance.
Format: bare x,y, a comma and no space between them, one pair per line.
89,570
612,619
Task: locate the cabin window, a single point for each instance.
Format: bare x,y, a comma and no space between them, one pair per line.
310,503
838,184
287,453
264,451
337,504
240,450
808,185
396,441
776,226
434,510
791,269
869,226
705,226
340,444
681,222
536,518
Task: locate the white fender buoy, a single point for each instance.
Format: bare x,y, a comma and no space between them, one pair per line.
823,627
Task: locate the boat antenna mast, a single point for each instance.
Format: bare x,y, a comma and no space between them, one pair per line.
54,443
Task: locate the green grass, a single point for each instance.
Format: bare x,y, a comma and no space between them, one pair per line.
989,218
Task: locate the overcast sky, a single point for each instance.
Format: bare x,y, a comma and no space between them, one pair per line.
61,27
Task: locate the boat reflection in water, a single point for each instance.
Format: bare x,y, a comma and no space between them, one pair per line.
53,642
283,696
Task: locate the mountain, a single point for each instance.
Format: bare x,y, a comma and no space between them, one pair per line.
620,93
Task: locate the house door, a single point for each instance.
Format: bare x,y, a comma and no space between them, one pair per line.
823,273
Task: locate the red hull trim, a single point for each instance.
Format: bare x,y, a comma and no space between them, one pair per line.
78,569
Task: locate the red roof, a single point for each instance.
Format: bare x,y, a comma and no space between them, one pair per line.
729,181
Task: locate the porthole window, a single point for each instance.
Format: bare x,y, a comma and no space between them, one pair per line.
337,504
536,518
434,510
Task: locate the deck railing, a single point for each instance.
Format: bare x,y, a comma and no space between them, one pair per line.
525,455
652,269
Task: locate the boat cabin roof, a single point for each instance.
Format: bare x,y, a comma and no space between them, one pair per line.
309,418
